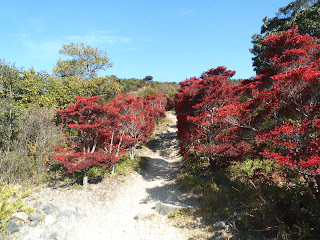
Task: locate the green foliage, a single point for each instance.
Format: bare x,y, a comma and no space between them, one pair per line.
64,90
259,198
126,165
165,88
197,165
257,168
34,90
121,167
148,78
24,88
11,201
10,80
98,172
9,93
180,213
9,123
304,13
85,63
144,87
190,181
129,85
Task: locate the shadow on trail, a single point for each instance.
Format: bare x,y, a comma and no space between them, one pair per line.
170,193
164,166
169,190
159,169
163,143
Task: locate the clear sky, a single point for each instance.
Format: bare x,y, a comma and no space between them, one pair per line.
170,40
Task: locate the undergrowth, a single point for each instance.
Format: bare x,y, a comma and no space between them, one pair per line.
11,201
260,199
96,174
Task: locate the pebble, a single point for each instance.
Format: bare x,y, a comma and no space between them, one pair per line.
13,226
20,215
34,217
50,219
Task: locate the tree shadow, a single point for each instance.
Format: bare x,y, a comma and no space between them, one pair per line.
60,179
171,191
159,169
162,141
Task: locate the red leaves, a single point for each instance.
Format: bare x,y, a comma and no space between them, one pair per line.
292,136
101,132
207,109
276,113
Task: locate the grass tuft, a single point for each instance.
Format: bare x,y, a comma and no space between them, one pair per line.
11,201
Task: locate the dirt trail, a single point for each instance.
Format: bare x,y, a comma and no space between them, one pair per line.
113,209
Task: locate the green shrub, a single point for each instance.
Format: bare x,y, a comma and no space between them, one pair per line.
11,201
255,169
31,151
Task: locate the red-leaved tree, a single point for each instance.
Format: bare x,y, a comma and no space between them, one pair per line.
135,122
86,130
208,113
285,102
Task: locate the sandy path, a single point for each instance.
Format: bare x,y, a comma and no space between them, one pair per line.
121,210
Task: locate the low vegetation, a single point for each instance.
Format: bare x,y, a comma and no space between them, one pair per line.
256,205
11,201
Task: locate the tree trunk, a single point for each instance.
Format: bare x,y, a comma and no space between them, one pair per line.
213,164
85,179
132,152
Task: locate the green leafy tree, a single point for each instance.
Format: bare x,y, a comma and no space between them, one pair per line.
64,90
85,61
10,79
34,90
148,78
305,13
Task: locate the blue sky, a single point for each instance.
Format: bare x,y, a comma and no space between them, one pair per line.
170,40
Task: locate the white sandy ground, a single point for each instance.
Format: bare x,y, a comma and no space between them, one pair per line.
114,209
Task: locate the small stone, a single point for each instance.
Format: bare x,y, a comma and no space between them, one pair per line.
35,217
55,234
33,223
69,216
220,224
12,226
136,217
20,215
167,208
48,208
49,219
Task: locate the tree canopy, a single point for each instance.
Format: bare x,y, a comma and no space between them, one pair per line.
85,63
